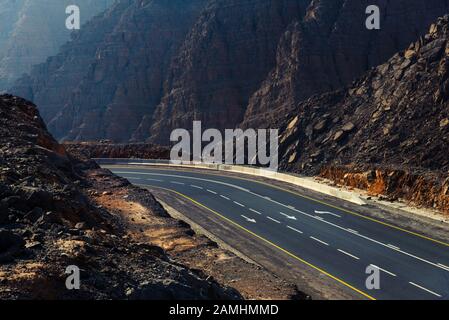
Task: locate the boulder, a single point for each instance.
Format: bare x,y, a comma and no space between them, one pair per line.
11,245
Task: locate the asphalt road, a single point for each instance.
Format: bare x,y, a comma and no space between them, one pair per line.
339,243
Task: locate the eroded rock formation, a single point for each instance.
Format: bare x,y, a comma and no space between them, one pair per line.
145,67
396,116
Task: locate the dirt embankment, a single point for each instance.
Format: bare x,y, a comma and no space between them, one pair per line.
429,190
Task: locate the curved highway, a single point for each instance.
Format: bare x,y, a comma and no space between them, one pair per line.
337,242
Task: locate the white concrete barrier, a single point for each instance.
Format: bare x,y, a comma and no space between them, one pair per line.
304,182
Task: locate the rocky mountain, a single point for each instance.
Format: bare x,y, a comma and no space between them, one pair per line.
49,221
146,67
110,76
32,30
222,62
331,47
396,116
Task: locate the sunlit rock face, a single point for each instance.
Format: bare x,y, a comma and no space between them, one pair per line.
396,115
331,47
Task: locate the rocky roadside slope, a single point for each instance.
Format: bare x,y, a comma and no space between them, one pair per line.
331,47
388,132
51,218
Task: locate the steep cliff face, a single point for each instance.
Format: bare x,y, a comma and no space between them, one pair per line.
32,30
227,54
145,67
331,47
387,133
110,76
397,114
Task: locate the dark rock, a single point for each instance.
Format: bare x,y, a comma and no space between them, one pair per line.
401,127
11,245
320,126
34,214
48,218
332,49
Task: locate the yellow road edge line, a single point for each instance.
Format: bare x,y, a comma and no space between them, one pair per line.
267,241
332,206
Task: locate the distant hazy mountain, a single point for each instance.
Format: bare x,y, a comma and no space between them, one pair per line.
146,67
32,30
111,75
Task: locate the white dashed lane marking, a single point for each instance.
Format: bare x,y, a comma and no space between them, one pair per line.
211,191
294,229
425,289
239,204
272,219
224,197
176,182
387,272
197,187
348,254
320,241
255,211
